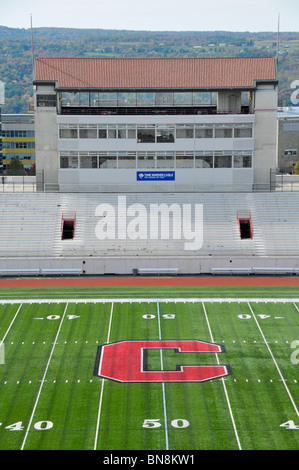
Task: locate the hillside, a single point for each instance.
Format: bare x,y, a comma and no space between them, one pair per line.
16,52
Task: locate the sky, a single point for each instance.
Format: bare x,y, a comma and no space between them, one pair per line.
153,15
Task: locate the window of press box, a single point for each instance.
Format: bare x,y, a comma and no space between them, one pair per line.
46,101
145,99
117,132
139,99
152,160
242,161
69,162
184,160
87,161
68,132
204,131
223,131
165,160
126,99
146,160
204,98
107,161
204,160
222,161
242,130
165,134
146,134
126,161
182,99
184,131
88,132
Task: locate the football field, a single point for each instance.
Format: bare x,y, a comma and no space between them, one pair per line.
171,374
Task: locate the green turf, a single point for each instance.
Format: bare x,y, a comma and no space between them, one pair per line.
51,399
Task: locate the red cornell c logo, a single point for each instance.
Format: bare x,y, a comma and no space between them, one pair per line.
127,361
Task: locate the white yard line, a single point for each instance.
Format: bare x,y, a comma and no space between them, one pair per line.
7,331
223,383
43,379
102,388
273,358
295,306
163,385
2,354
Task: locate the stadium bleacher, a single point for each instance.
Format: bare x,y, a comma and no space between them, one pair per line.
31,242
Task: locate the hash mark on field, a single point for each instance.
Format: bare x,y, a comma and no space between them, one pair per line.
223,382
43,379
274,360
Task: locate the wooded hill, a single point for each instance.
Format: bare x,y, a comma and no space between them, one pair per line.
16,52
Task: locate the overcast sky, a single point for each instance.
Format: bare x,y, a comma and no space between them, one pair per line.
153,15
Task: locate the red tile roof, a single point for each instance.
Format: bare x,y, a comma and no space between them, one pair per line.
155,73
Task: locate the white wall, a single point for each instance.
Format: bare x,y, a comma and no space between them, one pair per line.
265,150
125,265
46,138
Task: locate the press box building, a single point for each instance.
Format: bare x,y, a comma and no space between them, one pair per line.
140,125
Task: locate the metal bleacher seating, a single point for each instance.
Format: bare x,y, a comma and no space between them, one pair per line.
31,226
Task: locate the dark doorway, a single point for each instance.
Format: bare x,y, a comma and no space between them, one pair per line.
68,227
245,226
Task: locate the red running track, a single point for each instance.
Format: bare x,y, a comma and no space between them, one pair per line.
150,281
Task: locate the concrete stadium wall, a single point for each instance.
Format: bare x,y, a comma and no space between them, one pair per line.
163,265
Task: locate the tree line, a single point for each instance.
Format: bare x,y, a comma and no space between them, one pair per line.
16,52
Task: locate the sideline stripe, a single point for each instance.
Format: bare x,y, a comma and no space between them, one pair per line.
102,388
150,299
273,358
43,379
163,384
223,383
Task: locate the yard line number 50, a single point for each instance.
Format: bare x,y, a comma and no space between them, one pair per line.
175,423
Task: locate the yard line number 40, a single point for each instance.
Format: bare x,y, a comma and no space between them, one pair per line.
40,426
289,425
